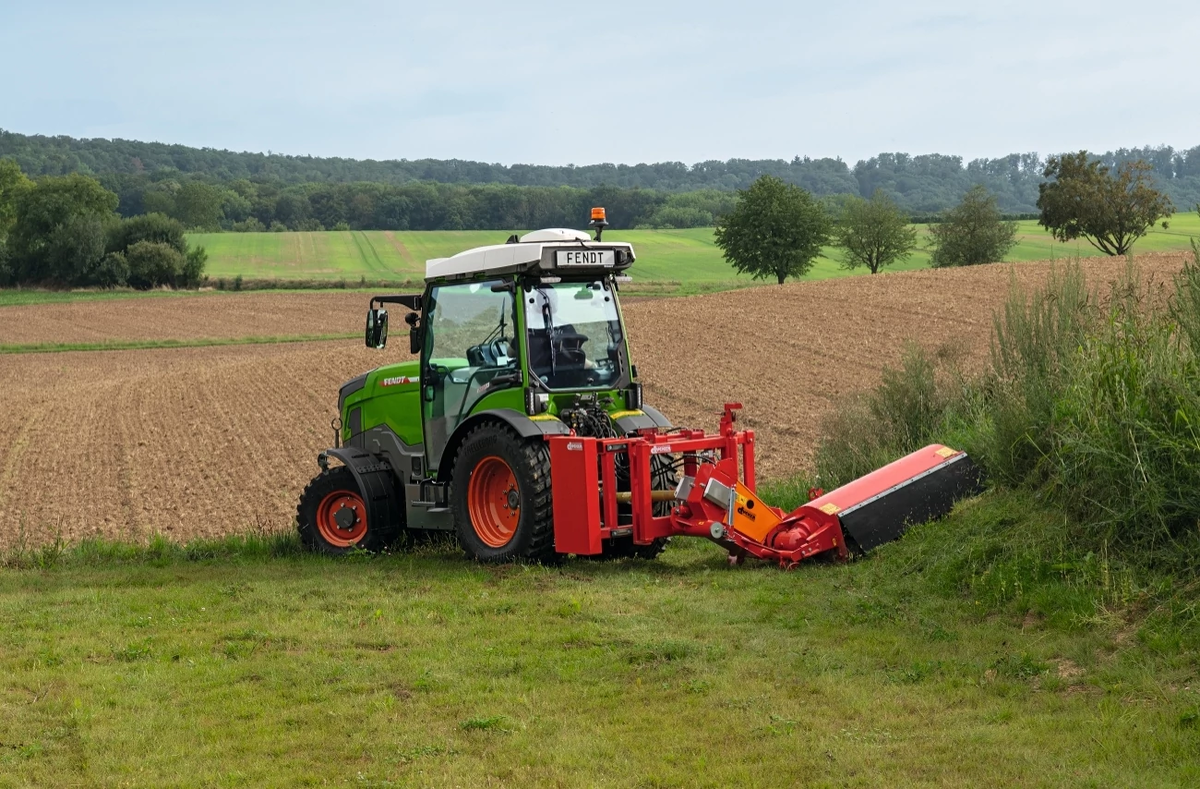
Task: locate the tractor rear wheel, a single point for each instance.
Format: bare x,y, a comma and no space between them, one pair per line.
332,516
500,496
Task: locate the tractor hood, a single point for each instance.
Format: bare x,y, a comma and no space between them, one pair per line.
556,252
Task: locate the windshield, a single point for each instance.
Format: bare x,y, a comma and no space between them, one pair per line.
574,335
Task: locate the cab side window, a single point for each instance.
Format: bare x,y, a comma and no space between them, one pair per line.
469,341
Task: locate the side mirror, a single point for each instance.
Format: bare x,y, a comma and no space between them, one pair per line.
414,332
377,328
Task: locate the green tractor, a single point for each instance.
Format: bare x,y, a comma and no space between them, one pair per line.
516,342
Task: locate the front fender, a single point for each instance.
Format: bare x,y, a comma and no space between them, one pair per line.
376,482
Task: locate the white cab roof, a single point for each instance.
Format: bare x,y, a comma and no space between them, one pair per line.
528,252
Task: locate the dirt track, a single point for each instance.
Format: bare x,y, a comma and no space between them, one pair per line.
206,441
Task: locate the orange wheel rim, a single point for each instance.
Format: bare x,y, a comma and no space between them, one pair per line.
342,518
494,502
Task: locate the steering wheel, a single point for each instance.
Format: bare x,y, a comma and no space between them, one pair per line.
500,349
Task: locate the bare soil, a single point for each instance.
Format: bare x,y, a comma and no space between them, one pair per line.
209,441
202,316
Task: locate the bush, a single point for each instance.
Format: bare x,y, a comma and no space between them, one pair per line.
112,271
158,228
251,225
152,264
193,268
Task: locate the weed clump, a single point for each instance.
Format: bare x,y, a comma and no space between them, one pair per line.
1090,403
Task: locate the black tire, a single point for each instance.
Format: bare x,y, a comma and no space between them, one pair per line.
662,478
532,539
338,486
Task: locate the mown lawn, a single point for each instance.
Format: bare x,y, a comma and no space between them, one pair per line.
251,665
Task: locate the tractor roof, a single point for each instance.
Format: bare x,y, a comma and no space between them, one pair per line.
534,252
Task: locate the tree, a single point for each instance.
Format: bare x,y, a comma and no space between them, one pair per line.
972,232
199,205
873,233
1087,199
73,251
775,229
60,228
13,184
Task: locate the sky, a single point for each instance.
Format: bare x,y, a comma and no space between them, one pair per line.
579,83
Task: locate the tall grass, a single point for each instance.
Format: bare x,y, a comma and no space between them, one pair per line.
1090,403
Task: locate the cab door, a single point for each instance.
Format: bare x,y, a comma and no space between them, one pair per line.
470,348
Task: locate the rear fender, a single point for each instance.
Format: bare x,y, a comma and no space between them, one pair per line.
543,425
630,422
376,483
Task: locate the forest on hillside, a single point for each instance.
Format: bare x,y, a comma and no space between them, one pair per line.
258,191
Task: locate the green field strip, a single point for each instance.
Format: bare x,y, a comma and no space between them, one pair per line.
677,256
140,345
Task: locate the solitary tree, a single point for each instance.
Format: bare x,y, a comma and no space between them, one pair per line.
972,232
873,233
774,230
1111,210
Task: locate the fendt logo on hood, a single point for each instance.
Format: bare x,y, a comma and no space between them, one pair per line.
402,379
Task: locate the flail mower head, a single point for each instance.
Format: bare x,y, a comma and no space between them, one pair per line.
716,500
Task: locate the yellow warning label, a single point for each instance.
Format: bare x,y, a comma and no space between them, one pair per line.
543,418
623,414
946,452
830,508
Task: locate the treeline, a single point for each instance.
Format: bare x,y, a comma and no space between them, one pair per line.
455,194
63,231
244,205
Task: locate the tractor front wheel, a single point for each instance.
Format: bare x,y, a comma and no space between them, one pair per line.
500,496
332,516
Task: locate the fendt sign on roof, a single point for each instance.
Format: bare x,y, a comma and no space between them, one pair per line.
542,249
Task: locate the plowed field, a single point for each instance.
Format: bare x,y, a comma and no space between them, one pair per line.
207,441
215,316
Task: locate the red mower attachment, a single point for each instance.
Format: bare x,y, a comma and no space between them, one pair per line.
713,500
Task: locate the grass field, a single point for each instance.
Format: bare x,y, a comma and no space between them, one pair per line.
244,663
959,656
688,257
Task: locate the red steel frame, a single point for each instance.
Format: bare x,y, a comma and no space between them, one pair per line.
585,513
